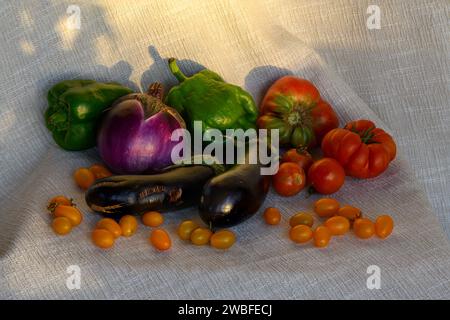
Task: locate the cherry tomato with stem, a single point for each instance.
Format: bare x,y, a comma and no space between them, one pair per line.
59,200
349,212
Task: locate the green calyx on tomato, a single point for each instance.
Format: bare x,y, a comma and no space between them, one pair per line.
294,107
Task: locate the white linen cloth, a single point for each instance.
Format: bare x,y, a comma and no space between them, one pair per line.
396,76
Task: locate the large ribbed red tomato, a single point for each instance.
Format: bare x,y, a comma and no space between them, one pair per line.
294,106
364,150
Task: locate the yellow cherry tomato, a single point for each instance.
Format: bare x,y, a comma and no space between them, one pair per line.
201,236
59,200
349,212
272,216
364,228
222,239
337,225
300,233
326,207
152,219
84,178
103,238
301,218
111,225
129,225
100,171
71,213
322,236
160,239
384,226
185,229
61,225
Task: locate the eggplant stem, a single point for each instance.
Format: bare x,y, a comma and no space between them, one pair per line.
156,90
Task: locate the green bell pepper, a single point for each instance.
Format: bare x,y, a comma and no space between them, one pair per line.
206,97
74,109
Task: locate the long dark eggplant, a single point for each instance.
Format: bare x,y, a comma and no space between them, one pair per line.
175,188
234,196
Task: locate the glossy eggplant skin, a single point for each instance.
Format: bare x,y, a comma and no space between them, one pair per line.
234,196
175,188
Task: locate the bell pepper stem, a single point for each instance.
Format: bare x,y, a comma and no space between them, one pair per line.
176,70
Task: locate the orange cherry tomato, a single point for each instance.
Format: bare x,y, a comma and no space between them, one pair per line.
300,233
272,216
289,180
129,225
349,212
301,157
364,228
326,176
301,218
111,225
103,238
100,171
200,236
84,178
222,239
384,226
322,236
185,229
326,207
160,239
337,225
71,213
152,219
59,200
61,225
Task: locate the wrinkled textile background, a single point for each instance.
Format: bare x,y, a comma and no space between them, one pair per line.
397,76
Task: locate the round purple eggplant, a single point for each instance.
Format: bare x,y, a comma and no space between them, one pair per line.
134,136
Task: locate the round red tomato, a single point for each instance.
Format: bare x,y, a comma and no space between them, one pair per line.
362,149
326,176
289,180
301,157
